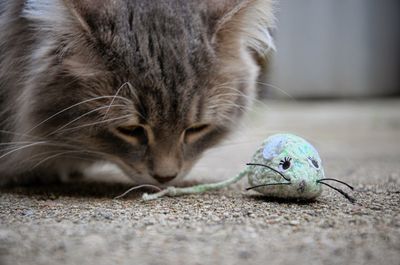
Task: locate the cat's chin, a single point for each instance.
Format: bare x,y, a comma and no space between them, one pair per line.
148,180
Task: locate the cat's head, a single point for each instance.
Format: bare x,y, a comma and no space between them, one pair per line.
148,85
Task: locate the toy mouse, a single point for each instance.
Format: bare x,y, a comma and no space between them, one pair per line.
285,166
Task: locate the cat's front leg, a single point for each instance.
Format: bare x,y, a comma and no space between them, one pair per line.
70,170
62,171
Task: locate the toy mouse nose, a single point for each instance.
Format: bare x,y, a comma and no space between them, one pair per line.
164,179
302,186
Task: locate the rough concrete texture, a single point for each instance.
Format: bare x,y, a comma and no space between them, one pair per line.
359,141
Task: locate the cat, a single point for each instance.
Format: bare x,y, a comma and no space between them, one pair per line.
146,85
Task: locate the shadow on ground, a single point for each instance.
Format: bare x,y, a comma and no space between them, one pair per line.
106,190
77,190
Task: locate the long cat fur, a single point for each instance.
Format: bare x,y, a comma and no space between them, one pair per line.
73,73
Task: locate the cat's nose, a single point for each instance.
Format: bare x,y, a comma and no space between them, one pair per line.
164,179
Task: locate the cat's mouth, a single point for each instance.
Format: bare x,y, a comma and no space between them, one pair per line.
140,174
140,177
164,180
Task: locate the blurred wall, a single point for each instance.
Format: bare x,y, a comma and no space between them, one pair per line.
336,48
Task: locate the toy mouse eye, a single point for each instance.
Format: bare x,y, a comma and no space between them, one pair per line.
314,162
285,163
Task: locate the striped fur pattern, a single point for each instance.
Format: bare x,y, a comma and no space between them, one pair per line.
146,85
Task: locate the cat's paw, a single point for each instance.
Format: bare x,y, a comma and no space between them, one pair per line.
66,177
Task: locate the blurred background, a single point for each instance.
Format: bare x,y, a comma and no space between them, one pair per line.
335,49
335,80
345,50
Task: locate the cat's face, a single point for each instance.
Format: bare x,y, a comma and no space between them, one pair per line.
150,86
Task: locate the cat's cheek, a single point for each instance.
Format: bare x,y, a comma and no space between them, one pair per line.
137,173
109,143
195,150
131,159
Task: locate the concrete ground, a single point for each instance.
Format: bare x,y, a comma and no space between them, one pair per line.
359,141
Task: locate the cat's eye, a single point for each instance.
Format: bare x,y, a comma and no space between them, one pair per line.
136,133
195,132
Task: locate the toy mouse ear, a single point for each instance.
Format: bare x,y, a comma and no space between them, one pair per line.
274,146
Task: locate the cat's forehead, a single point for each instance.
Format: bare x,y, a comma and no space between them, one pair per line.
164,49
159,39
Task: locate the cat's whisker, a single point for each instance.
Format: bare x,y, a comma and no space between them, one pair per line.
56,156
77,157
220,98
231,121
250,98
113,99
45,143
12,147
81,158
133,92
21,148
97,123
229,85
16,134
30,159
259,83
67,154
277,88
83,115
245,108
233,105
15,143
44,153
241,94
227,104
264,84
228,118
229,94
20,138
69,108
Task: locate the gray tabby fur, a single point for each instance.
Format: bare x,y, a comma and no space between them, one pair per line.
72,71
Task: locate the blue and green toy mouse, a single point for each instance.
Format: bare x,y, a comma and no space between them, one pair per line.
285,166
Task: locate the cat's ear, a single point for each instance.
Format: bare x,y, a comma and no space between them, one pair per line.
63,21
55,15
243,22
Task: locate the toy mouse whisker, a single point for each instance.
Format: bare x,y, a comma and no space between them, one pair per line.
273,169
270,184
344,183
351,199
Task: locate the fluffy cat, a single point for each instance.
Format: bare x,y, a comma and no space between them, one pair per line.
146,85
